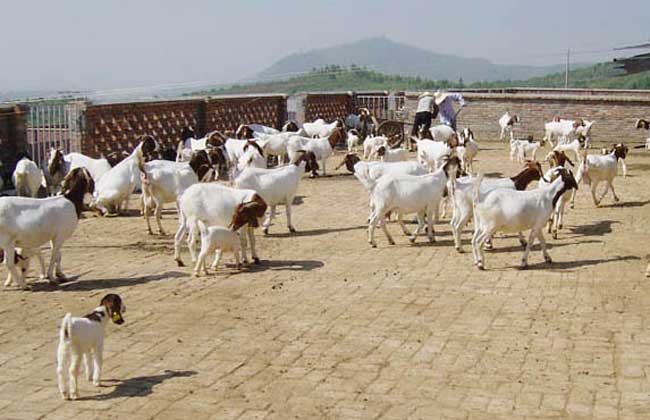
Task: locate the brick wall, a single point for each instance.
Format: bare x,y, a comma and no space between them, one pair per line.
614,111
227,113
13,136
116,127
328,106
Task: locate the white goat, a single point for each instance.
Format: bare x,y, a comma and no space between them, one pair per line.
164,181
462,195
562,130
506,123
117,185
322,147
556,220
432,153
585,132
84,338
641,123
58,166
409,194
275,144
467,149
442,132
514,212
574,146
371,144
320,129
29,223
595,169
217,205
219,239
387,154
276,186
525,149
353,140
27,178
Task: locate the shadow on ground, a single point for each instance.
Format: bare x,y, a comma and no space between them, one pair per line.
74,284
285,265
140,386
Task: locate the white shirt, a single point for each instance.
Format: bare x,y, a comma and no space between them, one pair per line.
424,104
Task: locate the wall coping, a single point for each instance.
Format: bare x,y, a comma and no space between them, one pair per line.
548,97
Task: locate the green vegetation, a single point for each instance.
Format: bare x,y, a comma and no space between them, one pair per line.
336,78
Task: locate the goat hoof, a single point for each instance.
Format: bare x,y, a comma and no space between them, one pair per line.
480,266
180,262
554,235
292,229
548,259
65,396
412,240
523,266
616,199
373,245
74,396
460,250
523,244
256,260
265,231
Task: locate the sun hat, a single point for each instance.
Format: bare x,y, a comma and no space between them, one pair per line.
440,96
424,94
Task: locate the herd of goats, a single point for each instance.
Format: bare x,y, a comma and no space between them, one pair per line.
221,216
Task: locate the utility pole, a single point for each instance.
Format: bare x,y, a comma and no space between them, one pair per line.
566,71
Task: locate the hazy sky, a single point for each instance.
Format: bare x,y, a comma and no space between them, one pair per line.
117,43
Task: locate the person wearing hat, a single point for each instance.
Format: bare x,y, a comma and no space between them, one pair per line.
427,110
444,101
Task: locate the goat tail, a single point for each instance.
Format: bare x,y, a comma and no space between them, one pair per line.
179,152
20,183
65,333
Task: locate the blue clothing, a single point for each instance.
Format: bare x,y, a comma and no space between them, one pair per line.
447,111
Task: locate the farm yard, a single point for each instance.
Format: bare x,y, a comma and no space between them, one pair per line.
328,327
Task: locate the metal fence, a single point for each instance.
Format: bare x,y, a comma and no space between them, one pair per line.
54,125
383,107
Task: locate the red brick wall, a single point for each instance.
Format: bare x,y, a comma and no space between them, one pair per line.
328,106
116,127
227,113
13,136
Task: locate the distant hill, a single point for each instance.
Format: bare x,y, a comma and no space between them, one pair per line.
390,57
335,78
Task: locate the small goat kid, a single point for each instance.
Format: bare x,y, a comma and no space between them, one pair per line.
219,239
506,123
595,169
84,338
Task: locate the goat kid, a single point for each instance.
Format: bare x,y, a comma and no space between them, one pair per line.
219,239
27,178
506,123
84,338
595,169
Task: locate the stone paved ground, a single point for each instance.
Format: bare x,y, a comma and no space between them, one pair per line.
329,328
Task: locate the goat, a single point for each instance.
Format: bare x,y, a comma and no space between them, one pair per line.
219,239
27,178
584,131
352,140
556,219
467,149
59,165
371,144
461,192
320,129
409,194
277,186
432,153
522,148
557,158
506,123
29,223
115,187
597,168
164,181
321,147
516,211
574,146
217,205
563,130
84,337
392,155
